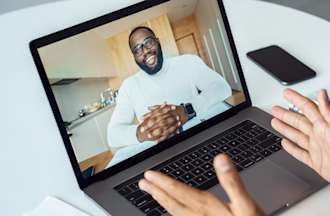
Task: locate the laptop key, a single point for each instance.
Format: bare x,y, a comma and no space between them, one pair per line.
255,149
162,210
177,173
263,136
187,167
207,166
215,152
209,183
200,179
197,162
225,148
134,186
149,206
234,152
125,191
154,213
230,136
233,143
247,163
187,177
209,174
266,143
238,159
265,153
243,147
222,141
175,165
185,160
256,158
194,155
197,171
246,154
166,170
134,196
142,201
207,157
274,148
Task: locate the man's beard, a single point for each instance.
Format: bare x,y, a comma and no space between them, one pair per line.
157,68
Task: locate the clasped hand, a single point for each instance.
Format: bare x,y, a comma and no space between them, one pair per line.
162,122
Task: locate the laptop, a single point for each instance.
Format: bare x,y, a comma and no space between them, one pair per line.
162,61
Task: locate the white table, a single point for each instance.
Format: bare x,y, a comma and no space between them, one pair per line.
33,159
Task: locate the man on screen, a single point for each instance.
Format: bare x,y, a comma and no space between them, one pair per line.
166,96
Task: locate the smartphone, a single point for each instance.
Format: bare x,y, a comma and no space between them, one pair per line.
281,65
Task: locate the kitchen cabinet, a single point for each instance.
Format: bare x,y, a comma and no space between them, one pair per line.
83,56
90,137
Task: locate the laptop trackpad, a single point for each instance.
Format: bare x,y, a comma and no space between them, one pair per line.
271,186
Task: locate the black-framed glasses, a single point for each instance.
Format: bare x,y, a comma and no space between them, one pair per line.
148,43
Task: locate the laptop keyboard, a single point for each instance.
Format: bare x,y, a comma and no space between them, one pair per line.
246,144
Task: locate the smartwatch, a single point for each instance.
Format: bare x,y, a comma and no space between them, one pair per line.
189,110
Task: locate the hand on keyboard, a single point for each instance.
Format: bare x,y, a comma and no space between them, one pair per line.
179,199
308,134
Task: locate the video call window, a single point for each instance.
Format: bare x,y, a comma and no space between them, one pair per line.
130,84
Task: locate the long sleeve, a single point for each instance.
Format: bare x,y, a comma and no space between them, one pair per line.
211,90
121,129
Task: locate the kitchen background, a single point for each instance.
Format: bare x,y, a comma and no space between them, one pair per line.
95,63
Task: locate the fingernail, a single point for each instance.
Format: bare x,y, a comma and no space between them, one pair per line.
142,129
177,118
173,107
143,184
149,136
149,175
179,123
223,164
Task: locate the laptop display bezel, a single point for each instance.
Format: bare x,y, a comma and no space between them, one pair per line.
96,22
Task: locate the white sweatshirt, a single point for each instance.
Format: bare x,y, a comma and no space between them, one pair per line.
179,81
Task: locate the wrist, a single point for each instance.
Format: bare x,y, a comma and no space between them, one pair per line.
183,115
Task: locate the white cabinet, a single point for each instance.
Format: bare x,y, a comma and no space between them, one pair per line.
90,137
82,56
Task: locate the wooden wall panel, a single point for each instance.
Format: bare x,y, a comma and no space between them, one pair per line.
187,26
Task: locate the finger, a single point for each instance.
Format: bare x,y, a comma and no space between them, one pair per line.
168,202
293,119
197,199
167,134
308,107
167,122
297,152
151,108
324,105
157,112
153,121
231,182
291,133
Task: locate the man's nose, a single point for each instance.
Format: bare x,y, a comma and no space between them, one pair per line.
145,50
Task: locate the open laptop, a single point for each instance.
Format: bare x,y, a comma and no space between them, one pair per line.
102,76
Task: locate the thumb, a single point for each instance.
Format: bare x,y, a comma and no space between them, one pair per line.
232,184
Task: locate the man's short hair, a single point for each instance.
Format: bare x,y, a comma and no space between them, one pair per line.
140,28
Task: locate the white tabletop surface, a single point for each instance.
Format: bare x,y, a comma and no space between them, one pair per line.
34,163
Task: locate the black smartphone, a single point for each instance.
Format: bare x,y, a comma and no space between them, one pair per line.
281,65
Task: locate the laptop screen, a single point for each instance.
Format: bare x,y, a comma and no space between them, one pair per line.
133,83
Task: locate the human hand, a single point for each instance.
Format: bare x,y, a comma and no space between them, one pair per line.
181,200
161,122
308,134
